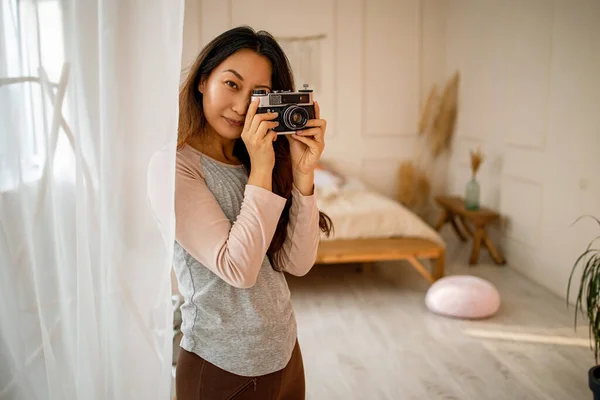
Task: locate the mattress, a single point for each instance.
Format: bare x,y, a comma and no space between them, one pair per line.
358,212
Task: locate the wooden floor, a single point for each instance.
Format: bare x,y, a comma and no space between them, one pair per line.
369,336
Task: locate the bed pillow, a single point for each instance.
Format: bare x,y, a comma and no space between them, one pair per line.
327,185
463,296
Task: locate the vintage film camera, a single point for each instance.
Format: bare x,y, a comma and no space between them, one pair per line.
294,108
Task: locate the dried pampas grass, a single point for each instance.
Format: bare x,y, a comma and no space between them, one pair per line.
423,189
426,116
476,160
414,186
422,178
406,186
444,123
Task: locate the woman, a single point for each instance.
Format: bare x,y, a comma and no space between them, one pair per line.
246,213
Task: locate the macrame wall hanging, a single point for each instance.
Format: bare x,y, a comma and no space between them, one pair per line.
304,53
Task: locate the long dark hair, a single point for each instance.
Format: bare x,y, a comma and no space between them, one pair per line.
193,122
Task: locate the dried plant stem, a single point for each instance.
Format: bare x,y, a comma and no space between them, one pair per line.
476,160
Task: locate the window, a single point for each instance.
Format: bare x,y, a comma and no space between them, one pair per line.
31,36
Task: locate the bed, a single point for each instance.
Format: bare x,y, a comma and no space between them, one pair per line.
370,227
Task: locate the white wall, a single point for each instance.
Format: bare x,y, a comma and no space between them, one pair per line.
192,34
530,96
371,70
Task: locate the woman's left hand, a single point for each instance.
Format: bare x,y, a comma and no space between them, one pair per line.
306,146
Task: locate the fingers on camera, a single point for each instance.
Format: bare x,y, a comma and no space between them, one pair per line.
265,127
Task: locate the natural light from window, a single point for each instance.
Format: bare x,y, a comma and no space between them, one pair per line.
32,35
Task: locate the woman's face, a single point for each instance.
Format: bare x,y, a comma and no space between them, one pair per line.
227,91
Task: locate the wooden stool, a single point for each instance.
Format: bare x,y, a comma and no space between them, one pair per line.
454,210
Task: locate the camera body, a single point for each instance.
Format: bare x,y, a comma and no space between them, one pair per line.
294,108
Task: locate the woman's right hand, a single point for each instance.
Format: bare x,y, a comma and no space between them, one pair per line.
258,138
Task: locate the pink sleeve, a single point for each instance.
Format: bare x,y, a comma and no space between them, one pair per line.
299,251
233,252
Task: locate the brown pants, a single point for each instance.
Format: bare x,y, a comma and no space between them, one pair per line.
198,379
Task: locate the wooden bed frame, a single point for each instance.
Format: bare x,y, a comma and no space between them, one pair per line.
367,251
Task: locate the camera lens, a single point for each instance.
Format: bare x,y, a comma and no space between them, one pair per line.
295,117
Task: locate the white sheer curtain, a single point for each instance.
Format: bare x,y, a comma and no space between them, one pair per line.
88,118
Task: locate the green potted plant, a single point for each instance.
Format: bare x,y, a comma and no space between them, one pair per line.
588,303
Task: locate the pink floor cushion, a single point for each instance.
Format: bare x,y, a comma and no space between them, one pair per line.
463,296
